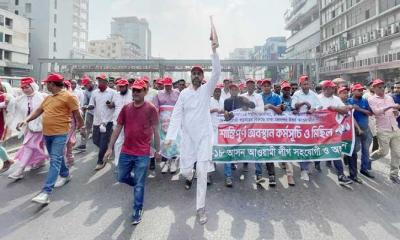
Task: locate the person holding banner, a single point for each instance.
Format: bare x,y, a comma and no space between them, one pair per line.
226,93
167,98
231,104
287,107
388,132
191,117
272,102
333,103
305,101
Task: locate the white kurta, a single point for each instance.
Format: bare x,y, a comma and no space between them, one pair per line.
119,101
257,100
192,116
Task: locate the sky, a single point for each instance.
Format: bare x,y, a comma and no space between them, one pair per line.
181,28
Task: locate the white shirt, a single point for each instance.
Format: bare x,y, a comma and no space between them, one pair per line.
215,104
78,93
225,95
332,101
257,100
192,110
102,114
312,98
120,101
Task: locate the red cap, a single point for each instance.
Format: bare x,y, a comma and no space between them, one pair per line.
145,79
242,86
327,83
26,81
303,78
285,85
67,84
357,86
377,82
341,89
122,82
267,80
101,77
220,86
250,80
284,81
167,81
86,81
139,84
197,67
232,85
259,81
54,77
159,81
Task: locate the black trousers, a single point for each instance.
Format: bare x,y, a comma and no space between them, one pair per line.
101,140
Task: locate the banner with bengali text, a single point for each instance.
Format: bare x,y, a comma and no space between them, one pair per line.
269,137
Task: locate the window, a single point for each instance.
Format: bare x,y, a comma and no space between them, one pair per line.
16,2
1,20
55,32
367,14
1,54
55,4
9,22
7,55
16,12
54,47
28,7
1,37
8,38
55,18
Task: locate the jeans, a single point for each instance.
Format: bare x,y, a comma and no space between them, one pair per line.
138,165
363,142
228,169
101,140
55,146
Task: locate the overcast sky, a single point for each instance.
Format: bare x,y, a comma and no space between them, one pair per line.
181,28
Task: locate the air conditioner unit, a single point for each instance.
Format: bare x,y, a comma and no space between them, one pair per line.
365,39
382,32
373,35
359,40
353,42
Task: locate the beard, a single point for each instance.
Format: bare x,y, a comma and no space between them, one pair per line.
124,92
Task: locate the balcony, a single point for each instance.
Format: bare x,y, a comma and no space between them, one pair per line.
302,9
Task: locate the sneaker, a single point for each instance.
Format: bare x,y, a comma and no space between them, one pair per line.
290,181
202,216
61,181
305,176
228,182
367,173
259,179
343,180
41,198
137,217
18,174
100,166
188,184
81,147
395,179
164,167
272,181
6,165
173,166
356,179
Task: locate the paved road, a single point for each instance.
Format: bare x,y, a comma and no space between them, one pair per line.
94,206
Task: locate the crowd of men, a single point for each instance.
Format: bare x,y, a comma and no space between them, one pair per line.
122,116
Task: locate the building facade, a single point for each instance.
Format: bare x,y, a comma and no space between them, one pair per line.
134,30
58,29
14,44
302,20
360,39
114,47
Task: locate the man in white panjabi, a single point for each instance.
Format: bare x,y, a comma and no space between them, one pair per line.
192,117
120,99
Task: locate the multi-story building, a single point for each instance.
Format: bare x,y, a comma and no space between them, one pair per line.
360,39
58,29
302,20
114,47
134,30
241,53
14,44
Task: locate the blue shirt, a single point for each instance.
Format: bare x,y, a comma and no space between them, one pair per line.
396,99
361,118
287,102
271,98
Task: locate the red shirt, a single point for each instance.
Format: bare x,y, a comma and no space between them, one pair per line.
138,125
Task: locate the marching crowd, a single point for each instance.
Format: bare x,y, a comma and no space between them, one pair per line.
122,116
